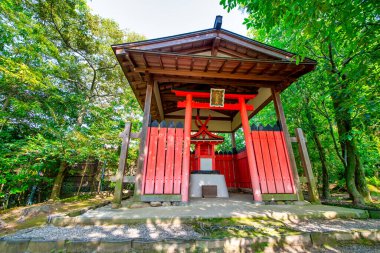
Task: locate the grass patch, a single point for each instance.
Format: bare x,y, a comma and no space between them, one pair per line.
76,198
11,217
217,228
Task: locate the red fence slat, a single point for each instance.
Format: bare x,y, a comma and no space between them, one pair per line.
169,161
267,162
275,163
146,149
178,160
160,167
259,161
151,167
285,163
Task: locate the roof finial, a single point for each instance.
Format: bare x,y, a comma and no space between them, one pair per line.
218,22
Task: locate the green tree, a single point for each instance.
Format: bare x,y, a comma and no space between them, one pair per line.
344,37
63,97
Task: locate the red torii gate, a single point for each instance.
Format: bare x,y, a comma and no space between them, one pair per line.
241,106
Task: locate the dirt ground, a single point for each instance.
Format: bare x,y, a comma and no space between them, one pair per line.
36,215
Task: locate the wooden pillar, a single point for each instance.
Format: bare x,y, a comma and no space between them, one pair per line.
233,142
234,163
117,196
186,150
281,118
142,151
250,153
306,164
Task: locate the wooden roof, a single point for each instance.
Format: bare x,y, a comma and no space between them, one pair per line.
212,58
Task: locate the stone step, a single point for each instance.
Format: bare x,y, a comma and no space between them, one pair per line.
301,242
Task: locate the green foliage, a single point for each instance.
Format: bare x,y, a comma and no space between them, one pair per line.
374,181
63,97
338,102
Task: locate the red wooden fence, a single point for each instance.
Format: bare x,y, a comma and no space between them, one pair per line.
271,158
163,164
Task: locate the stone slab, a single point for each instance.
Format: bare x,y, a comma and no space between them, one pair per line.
238,205
114,246
82,246
14,245
38,246
289,243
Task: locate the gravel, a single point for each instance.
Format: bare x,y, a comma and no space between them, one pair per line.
147,232
155,232
335,225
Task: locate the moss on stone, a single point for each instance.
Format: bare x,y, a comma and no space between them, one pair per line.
240,227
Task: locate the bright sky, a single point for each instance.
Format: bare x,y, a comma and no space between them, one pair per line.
160,18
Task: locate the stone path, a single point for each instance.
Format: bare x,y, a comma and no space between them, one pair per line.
238,205
149,231
335,225
146,232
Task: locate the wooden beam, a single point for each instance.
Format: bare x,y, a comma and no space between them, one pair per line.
160,61
209,74
195,50
134,52
302,67
266,69
125,135
251,68
259,48
230,107
281,118
133,64
207,65
215,46
233,142
306,164
222,66
158,100
192,65
232,52
200,117
199,94
145,62
200,80
144,129
236,68
173,42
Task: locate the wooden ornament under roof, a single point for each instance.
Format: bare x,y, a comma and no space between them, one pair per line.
203,135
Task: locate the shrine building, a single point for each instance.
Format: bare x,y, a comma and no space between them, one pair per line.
195,85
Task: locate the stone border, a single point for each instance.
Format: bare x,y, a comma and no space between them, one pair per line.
64,220
303,241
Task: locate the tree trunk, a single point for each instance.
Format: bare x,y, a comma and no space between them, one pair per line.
348,147
325,173
360,180
56,191
357,198
83,175
321,152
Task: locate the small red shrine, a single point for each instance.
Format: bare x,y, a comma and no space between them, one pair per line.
189,77
205,142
